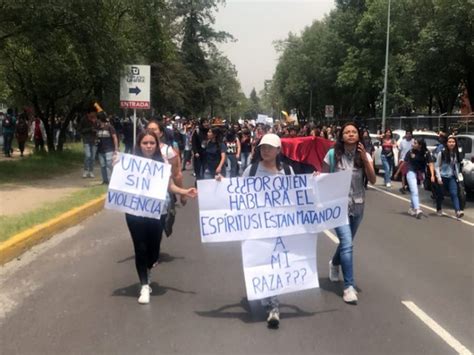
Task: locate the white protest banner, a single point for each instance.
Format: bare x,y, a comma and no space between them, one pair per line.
262,118
272,206
138,186
279,265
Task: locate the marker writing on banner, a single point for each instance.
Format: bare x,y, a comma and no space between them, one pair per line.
135,203
258,184
277,258
141,172
211,225
275,281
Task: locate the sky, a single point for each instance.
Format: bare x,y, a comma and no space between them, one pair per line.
256,24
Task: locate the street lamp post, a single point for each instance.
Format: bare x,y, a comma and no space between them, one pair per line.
439,120
384,108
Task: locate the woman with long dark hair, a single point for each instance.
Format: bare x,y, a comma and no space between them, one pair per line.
447,169
215,154
146,232
416,161
349,154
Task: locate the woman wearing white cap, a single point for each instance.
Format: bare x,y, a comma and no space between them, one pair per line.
268,162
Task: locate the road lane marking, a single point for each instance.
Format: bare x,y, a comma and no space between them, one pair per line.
331,236
435,327
424,206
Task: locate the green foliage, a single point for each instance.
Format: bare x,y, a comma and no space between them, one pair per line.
60,56
341,58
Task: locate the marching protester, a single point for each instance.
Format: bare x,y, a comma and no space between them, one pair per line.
215,154
268,162
415,163
198,143
88,129
107,144
169,154
349,154
245,148
21,132
188,131
146,232
387,156
405,146
38,134
233,152
8,126
447,168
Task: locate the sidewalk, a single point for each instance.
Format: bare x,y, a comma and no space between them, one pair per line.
24,196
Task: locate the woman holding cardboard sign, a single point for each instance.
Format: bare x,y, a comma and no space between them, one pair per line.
146,232
268,162
349,154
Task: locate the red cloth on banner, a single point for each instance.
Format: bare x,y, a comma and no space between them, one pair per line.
309,150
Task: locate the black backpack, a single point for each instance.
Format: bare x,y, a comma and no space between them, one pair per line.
254,166
7,122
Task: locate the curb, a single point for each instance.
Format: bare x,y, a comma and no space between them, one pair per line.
23,241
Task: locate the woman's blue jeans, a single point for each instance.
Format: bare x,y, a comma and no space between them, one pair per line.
244,159
343,255
106,166
451,185
413,184
90,150
387,163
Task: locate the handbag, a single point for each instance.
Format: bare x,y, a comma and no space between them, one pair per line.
170,216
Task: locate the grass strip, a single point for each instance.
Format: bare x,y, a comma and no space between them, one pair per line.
12,225
42,165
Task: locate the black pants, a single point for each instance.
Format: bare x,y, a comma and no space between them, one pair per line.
21,145
146,235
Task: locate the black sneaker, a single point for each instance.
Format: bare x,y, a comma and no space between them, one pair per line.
273,319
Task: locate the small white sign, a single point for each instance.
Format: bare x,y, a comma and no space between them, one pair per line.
135,87
279,265
329,111
138,186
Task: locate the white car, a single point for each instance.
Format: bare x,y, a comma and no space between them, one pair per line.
430,137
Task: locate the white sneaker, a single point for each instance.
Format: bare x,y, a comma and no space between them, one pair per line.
350,295
273,319
85,174
144,295
419,213
91,174
412,212
388,185
333,272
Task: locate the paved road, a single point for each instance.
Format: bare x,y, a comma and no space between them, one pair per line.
78,293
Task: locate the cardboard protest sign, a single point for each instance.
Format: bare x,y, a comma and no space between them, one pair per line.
279,265
138,186
272,206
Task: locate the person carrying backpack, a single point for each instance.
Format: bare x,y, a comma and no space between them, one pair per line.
268,162
8,125
349,154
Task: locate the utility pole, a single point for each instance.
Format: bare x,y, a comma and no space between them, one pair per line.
384,108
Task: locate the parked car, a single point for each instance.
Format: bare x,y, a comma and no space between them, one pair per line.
466,142
430,137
